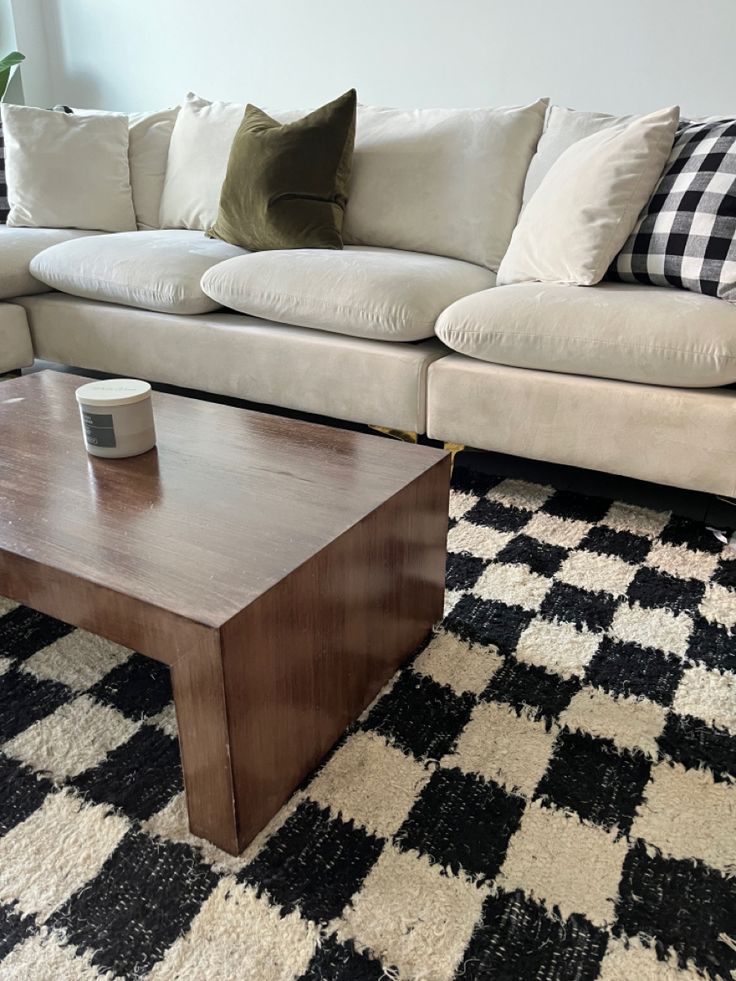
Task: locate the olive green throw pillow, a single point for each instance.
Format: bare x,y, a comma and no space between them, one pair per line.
286,184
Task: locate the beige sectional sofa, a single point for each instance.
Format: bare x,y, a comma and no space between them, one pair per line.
626,379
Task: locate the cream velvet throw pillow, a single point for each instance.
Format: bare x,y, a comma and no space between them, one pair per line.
199,151
588,202
66,171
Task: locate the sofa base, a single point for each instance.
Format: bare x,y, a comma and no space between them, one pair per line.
16,350
682,437
230,354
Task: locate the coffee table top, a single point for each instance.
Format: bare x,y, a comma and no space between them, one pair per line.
229,503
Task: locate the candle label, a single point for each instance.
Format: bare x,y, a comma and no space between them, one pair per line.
98,429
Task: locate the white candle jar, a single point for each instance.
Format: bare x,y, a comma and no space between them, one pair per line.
117,417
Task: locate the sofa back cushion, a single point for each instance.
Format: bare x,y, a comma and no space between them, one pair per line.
67,171
149,137
562,128
148,153
443,181
197,162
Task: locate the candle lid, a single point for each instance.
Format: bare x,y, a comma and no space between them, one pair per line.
113,391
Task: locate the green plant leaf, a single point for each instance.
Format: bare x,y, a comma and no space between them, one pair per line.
14,58
7,64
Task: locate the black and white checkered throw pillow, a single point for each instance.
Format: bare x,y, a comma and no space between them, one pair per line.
4,209
686,236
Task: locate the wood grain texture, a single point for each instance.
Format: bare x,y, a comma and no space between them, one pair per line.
310,655
283,569
229,503
204,742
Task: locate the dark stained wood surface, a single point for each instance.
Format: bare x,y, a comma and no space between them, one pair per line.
228,504
283,570
307,658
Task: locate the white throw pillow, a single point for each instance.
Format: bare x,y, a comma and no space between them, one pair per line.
588,202
150,136
562,128
443,181
198,156
66,171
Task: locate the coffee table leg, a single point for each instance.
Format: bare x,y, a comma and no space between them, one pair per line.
265,697
204,740
304,660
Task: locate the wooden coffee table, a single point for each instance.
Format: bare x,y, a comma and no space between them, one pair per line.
282,570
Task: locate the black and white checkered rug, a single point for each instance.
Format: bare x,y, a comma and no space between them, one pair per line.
546,793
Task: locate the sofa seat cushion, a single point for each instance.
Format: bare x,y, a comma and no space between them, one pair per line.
613,330
156,270
17,247
360,291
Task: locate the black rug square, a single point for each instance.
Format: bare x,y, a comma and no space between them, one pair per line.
24,699
528,686
540,557
579,507
24,632
421,716
140,776
725,574
627,669
623,544
463,571
591,776
712,644
462,822
335,961
118,915
579,606
468,481
139,687
516,940
690,741
693,534
314,862
14,929
488,622
493,514
652,588
684,905
22,791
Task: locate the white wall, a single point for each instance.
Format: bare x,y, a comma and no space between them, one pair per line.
31,38
8,43
621,56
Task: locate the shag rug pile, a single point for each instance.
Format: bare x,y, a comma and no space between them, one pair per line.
546,792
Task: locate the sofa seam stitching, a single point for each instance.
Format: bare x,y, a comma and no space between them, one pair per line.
585,340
